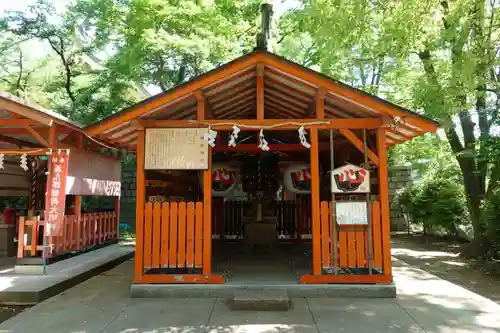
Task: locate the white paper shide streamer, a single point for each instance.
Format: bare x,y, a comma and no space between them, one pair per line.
234,136
1,161
302,137
24,162
210,137
262,141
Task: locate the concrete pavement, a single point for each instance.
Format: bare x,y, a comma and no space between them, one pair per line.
425,303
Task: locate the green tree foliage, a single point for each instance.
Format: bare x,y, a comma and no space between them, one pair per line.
438,57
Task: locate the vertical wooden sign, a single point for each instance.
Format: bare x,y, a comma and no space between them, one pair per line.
56,193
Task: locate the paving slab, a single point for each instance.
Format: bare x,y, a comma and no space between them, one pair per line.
31,289
103,304
339,315
276,300
297,319
153,315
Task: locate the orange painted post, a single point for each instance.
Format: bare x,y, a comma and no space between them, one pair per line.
198,236
165,217
172,261
315,208
207,218
342,248
190,235
156,235
360,248
148,235
71,231
78,232
85,230
78,201
20,237
377,236
351,249
139,209
34,236
181,240
260,92
116,225
384,202
325,235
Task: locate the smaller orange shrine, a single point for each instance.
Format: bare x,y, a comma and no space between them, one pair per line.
55,164
262,146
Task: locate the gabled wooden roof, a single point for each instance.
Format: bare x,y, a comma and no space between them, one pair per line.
289,92
27,125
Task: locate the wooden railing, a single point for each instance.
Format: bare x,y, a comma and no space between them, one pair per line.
91,229
352,241
293,219
173,236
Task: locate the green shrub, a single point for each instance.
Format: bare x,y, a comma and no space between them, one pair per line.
491,218
435,204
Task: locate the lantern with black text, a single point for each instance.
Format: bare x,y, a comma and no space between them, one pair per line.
297,178
223,179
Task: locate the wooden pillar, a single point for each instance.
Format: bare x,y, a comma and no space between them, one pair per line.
320,103
315,216
207,197
260,92
207,223
315,184
117,212
78,198
139,209
384,202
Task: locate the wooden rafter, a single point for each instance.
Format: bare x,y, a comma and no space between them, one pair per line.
37,136
18,122
17,142
349,135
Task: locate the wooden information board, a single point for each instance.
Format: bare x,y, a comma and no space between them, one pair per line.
351,212
176,149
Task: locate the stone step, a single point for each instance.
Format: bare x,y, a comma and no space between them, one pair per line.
262,300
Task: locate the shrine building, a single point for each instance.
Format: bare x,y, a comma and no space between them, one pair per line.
54,165
261,171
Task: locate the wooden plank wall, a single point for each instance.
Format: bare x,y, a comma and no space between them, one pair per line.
352,241
173,235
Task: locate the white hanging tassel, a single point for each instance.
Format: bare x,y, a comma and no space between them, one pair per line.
234,136
24,162
262,141
302,137
1,161
210,137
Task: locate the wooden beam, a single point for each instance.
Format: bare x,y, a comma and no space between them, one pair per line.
18,122
320,103
53,136
383,184
349,135
253,124
260,92
37,136
17,142
27,151
200,104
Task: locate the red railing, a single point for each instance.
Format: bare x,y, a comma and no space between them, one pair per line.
91,229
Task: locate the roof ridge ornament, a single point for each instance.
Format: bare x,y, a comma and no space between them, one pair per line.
266,12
